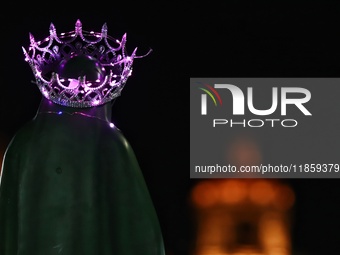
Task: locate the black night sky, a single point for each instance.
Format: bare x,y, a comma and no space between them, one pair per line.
227,39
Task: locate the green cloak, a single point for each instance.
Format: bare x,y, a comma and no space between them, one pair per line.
71,185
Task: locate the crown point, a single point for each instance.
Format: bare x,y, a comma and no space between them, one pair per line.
123,40
25,52
134,53
78,24
53,30
78,27
32,40
104,29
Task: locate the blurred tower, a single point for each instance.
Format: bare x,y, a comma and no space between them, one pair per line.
242,216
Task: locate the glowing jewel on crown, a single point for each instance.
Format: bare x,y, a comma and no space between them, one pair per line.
80,68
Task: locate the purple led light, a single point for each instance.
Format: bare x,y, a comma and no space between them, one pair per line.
107,56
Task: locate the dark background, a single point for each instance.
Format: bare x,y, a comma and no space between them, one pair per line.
197,39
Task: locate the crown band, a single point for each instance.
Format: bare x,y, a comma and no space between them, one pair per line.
80,68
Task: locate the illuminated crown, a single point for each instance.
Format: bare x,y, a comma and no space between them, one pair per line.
80,68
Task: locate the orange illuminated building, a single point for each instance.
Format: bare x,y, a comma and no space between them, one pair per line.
242,217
